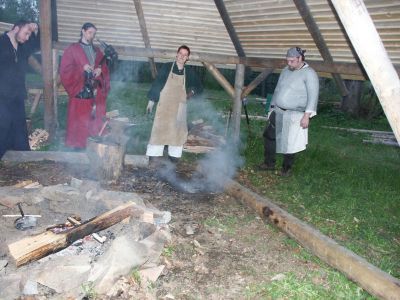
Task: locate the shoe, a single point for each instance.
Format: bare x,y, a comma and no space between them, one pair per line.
285,173
266,167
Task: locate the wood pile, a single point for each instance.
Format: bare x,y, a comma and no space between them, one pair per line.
202,138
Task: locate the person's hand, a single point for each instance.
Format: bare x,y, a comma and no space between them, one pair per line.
149,107
305,121
87,68
97,72
190,94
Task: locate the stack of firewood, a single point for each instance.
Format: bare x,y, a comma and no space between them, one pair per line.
202,138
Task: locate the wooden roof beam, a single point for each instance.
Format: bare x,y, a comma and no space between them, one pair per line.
229,27
256,62
145,34
372,53
319,41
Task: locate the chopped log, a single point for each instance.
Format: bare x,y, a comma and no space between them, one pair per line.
369,277
106,159
140,161
38,246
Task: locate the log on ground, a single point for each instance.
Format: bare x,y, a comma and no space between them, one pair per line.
356,268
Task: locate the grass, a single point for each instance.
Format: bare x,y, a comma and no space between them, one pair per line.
348,190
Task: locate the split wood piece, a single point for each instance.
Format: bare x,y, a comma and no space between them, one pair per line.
356,268
106,159
140,161
100,239
41,245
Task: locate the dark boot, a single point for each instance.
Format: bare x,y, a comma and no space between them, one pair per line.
288,161
269,145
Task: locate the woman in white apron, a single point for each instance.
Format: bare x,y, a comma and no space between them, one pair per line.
170,124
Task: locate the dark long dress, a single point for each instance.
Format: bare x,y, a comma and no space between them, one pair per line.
13,66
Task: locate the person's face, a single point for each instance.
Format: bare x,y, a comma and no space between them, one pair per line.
89,34
294,63
23,33
182,56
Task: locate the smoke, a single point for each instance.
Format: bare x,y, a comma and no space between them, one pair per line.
215,168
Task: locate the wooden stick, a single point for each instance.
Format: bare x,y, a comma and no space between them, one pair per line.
35,247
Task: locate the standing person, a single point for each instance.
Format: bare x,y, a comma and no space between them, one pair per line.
86,78
293,104
16,46
174,84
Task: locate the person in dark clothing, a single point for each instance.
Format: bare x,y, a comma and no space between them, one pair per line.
16,46
174,84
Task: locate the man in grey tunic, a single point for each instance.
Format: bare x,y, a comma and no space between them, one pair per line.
293,104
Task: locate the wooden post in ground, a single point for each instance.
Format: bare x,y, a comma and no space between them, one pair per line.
47,63
372,53
369,277
237,103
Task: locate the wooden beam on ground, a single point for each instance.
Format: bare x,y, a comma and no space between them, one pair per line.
369,277
319,40
260,78
139,161
256,62
237,103
46,49
366,41
35,247
229,27
145,34
220,78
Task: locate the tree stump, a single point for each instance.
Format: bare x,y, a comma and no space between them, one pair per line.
106,159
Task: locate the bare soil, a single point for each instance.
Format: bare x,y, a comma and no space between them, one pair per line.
219,249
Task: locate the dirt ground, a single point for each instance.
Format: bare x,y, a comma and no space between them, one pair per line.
219,248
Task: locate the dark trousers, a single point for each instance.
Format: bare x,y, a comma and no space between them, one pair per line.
270,146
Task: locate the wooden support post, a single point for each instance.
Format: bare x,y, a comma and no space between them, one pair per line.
366,41
35,64
237,103
260,78
55,84
220,78
46,49
369,277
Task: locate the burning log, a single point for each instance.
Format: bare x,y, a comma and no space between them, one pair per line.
41,245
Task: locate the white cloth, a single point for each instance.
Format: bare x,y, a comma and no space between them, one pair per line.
158,150
290,136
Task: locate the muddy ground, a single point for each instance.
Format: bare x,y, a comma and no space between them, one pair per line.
219,249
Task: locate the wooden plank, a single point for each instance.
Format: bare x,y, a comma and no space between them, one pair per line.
356,268
41,245
140,161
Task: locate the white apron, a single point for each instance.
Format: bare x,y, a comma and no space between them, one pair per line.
290,136
170,125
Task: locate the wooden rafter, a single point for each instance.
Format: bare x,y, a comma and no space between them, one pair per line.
145,34
319,41
229,27
260,78
372,53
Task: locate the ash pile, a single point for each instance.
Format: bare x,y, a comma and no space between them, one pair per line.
76,237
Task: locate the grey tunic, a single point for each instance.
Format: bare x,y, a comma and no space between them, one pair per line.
296,93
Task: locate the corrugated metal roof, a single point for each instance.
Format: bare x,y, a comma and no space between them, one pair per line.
266,28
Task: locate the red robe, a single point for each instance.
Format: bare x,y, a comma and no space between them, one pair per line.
80,123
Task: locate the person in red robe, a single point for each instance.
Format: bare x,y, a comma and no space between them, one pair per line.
86,78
